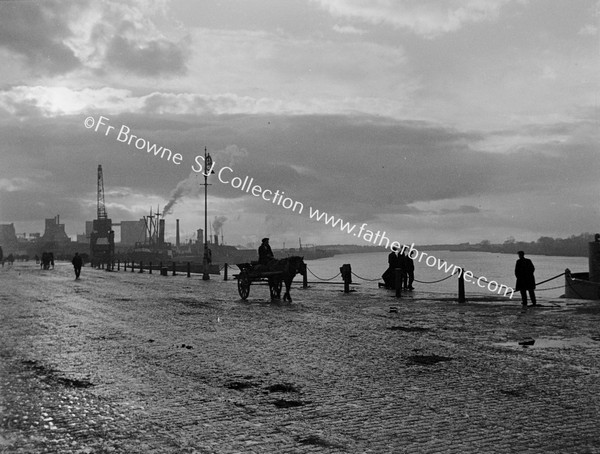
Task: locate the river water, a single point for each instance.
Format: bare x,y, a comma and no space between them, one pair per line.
492,266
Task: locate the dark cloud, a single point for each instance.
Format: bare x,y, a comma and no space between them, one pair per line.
42,202
37,30
359,168
349,162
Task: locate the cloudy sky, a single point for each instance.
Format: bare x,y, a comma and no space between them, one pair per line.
433,120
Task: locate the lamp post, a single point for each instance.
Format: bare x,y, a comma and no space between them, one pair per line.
208,164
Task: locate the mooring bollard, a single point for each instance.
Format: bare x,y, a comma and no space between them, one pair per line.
174,272
225,272
305,278
461,286
346,272
150,268
189,269
398,282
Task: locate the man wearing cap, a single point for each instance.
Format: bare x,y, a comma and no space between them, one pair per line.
525,279
265,254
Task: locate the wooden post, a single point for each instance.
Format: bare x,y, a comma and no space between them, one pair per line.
305,278
225,272
125,265
189,269
141,267
346,272
174,271
118,265
398,282
132,266
150,268
461,286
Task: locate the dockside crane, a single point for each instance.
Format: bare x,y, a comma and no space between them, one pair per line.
102,239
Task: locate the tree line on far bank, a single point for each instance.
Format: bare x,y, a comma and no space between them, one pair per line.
574,246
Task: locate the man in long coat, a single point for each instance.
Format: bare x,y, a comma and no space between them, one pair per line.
525,279
389,277
77,264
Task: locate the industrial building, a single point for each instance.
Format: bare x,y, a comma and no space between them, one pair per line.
54,232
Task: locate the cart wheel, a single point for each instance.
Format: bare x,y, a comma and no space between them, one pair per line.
243,287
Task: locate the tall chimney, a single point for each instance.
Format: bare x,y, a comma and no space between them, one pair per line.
161,232
177,234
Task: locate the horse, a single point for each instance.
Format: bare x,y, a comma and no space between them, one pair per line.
289,267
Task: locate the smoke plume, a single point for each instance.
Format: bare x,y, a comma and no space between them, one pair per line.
217,224
187,187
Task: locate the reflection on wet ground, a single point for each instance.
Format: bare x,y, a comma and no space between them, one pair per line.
552,342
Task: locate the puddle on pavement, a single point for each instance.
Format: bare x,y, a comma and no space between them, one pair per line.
551,342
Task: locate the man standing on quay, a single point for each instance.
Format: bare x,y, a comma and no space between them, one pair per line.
77,264
525,280
390,274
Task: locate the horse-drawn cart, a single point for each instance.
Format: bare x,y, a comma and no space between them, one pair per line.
275,274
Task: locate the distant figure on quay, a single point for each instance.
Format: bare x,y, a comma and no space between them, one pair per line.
265,254
77,264
408,275
525,279
389,277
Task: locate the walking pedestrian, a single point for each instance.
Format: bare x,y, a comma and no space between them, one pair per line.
525,279
77,264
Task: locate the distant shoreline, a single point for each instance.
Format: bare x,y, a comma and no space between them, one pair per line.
576,247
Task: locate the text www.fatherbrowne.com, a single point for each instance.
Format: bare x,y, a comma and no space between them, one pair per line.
379,238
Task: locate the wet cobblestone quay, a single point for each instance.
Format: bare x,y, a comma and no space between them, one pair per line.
138,363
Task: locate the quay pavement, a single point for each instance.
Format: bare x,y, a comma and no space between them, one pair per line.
122,362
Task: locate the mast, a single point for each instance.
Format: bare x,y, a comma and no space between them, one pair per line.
101,206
